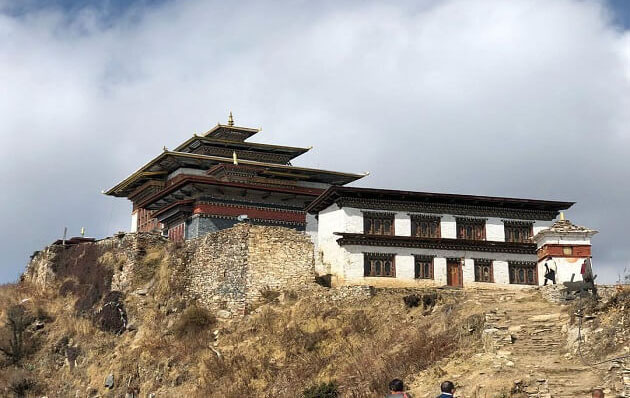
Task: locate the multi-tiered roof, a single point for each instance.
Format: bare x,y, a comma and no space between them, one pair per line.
222,165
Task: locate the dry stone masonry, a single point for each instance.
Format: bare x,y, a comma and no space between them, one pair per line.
228,270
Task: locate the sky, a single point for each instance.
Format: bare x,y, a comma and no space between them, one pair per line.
526,98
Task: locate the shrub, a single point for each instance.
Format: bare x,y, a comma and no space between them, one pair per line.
269,295
193,321
322,390
360,323
20,383
290,295
112,317
412,300
429,300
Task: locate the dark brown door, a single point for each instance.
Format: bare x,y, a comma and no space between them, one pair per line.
454,273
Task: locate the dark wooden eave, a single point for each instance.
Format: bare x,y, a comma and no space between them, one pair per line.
348,239
169,161
193,142
337,194
182,187
231,132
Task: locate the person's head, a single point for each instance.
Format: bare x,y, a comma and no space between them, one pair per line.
447,387
598,393
396,385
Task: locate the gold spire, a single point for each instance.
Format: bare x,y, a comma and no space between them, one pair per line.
561,216
234,158
230,120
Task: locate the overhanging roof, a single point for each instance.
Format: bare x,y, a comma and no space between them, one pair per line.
335,193
233,132
183,187
169,161
436,243
253,146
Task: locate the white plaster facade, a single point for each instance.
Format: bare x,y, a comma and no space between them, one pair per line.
346,263
134,221
564,234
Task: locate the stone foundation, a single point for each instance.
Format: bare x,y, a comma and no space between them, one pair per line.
228,269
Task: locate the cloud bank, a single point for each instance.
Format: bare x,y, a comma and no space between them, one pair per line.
520,98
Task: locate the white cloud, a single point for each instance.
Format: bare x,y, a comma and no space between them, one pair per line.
519,98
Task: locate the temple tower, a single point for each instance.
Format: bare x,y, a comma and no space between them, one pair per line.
568,245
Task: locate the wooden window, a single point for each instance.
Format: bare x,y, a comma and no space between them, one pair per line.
378,223
523,273
483,271
423,267
471,229
379,264
518,232
425,226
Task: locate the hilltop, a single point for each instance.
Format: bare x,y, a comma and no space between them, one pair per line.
125,317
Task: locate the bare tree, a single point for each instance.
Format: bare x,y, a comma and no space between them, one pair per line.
13,343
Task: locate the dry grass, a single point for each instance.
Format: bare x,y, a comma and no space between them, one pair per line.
281,349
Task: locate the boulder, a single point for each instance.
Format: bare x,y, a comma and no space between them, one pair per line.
109,381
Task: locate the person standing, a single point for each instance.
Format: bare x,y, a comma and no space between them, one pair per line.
597,393
550,271
448,389
396,389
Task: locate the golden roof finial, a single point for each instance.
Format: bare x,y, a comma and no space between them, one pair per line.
561,216
230,120
234,158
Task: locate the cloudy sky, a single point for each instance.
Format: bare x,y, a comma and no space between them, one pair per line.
512,98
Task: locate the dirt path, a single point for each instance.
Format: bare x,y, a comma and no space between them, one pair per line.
525,346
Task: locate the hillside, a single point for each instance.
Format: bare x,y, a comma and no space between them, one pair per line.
118,319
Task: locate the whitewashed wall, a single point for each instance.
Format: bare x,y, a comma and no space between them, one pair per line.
353,272
576,239
346,263
134,221
501,272
402,224
448,227
494,230
468,271
330,256
566,267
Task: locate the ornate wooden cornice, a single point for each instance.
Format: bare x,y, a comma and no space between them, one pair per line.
436,243
464,210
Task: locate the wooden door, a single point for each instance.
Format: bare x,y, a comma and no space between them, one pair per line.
454,273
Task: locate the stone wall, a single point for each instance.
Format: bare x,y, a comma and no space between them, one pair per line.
105,264
225,270
228,269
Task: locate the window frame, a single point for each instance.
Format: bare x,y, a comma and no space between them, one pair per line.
525,266
479,263
465,223
423,259
418,219
510,225
371,258
369,219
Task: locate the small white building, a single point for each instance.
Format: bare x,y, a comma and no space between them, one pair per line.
566,246
400,238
